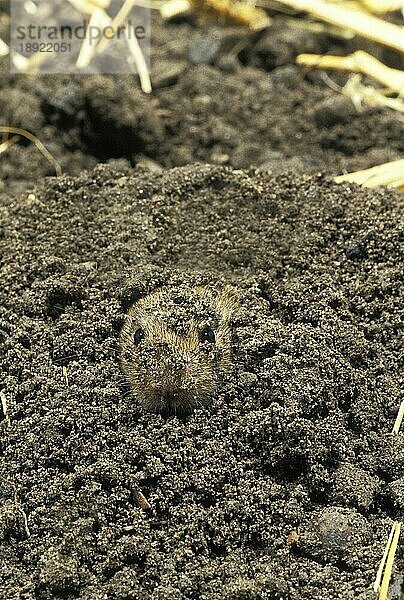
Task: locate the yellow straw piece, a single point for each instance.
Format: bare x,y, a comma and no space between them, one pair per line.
4,406
365,94
100,3
382,6
376,585
240,13
142,500
31,65
65,375
362,24
87,6
377,7
389,174
32,138
139,60
117,21
100,19
399,419
171,9
358,62
8,143
384,588
4,49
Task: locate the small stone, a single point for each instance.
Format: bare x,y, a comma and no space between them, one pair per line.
202,102
354,252
335,534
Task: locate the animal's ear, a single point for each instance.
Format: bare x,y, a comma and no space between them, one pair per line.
136,284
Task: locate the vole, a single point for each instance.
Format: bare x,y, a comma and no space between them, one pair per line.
176,344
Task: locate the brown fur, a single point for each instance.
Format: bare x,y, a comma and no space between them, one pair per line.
171,369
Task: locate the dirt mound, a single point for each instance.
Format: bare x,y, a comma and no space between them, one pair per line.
296,439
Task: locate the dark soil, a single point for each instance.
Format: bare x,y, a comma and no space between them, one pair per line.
286,485
210,104
298,438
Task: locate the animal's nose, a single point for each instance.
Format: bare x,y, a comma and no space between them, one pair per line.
175,369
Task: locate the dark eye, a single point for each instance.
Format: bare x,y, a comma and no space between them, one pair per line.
138,336
207,335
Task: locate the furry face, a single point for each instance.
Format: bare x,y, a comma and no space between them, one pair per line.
176,344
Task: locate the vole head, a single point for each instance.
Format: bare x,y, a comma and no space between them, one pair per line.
175,345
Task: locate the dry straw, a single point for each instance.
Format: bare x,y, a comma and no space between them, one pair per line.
117,21
399,419
39,145
390,174
361,23
4,49
381,6
4,146
4,406
358,62
383,577
96,10
98,19
239,13
101,19
142,500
